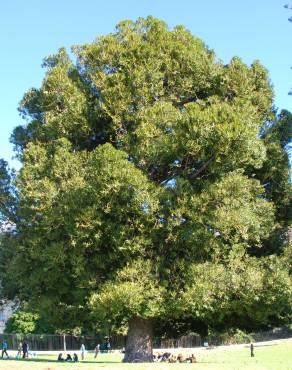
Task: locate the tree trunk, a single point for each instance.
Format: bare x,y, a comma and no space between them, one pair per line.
139,341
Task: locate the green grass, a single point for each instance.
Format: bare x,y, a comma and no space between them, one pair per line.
276,357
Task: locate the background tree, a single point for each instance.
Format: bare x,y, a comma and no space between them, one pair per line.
25,322
142,197
275,175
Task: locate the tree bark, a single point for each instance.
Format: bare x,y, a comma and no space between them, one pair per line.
139,341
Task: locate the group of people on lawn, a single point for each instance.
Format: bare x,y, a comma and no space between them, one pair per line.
172,357
69,358
22,350
99,348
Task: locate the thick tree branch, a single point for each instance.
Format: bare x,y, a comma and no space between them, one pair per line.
202,168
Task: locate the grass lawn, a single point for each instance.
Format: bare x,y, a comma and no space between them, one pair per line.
276,357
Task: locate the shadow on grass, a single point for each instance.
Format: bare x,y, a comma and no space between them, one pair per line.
40,360
51,361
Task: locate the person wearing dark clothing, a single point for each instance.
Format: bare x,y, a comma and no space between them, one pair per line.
69,358
75,357
24,350
4,347
60,358
164,356
251,350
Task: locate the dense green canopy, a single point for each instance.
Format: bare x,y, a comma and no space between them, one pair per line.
8,194
148,188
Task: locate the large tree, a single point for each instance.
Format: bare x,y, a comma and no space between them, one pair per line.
141,196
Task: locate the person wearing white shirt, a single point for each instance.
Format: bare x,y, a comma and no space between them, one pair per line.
82,350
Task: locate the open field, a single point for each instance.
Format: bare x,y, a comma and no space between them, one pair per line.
273,357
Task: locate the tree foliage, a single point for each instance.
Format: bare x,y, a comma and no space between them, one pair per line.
275,175
8,196
25,322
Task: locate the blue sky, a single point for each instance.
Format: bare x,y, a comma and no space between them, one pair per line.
32,29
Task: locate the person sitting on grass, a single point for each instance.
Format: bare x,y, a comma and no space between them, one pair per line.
172,359
60,357
75,357
181,358
192,359
157,357
163,357
69,358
